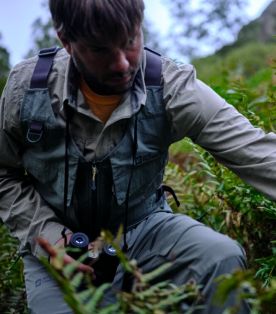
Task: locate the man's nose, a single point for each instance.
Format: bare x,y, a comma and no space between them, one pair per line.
120,62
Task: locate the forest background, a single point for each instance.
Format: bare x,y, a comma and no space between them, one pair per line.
242,70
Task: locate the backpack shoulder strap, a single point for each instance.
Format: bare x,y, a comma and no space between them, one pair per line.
39,81
43,67
153,68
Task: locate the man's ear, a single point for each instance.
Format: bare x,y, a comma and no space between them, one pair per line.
66,44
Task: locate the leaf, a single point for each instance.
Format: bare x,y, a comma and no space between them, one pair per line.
98,295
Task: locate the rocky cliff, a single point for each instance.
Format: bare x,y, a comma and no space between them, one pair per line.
262,29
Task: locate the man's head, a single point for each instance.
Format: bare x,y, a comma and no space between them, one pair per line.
104,38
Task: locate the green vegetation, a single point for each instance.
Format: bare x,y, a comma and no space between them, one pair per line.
251,63
12,293
212,194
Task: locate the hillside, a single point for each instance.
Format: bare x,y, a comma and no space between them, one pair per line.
262,29
250,62
252,56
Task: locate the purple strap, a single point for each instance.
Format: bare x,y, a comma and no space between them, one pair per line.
153,68
43,67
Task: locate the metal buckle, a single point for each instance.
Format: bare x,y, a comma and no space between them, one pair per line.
35,131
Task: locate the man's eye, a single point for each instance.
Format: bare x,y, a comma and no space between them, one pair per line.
132,41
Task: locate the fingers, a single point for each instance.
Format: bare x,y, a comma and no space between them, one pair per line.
53,252
67,259
47,247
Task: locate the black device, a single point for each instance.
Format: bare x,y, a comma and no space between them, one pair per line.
104,266
80,241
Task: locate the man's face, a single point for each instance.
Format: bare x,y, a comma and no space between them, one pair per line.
107,68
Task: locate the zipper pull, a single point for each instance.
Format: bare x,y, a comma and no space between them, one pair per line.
94,172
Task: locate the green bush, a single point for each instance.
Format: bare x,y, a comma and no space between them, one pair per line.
239,64
214,195
12,293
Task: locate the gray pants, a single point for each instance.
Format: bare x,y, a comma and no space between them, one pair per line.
197,253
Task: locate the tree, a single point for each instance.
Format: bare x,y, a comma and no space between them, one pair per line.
200,27
43,33
152,37
4,65
44,36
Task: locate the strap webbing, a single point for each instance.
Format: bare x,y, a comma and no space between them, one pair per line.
43,67
153,68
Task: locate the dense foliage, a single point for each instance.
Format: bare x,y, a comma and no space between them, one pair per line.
210,192
12,293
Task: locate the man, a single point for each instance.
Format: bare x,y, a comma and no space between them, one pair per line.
88,152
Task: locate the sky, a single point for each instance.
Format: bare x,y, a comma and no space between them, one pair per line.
17,16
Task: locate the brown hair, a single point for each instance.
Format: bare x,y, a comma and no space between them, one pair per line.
96,20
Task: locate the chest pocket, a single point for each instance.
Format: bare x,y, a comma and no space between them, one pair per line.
43,157
153,126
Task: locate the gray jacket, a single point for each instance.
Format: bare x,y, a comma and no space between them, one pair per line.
192,109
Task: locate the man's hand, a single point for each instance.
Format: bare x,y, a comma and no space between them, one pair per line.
53,253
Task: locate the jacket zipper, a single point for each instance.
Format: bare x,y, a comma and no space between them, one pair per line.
94,173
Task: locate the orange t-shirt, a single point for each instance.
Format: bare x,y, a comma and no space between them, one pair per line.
101,105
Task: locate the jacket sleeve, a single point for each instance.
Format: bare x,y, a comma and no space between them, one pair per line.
196,111
21,208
